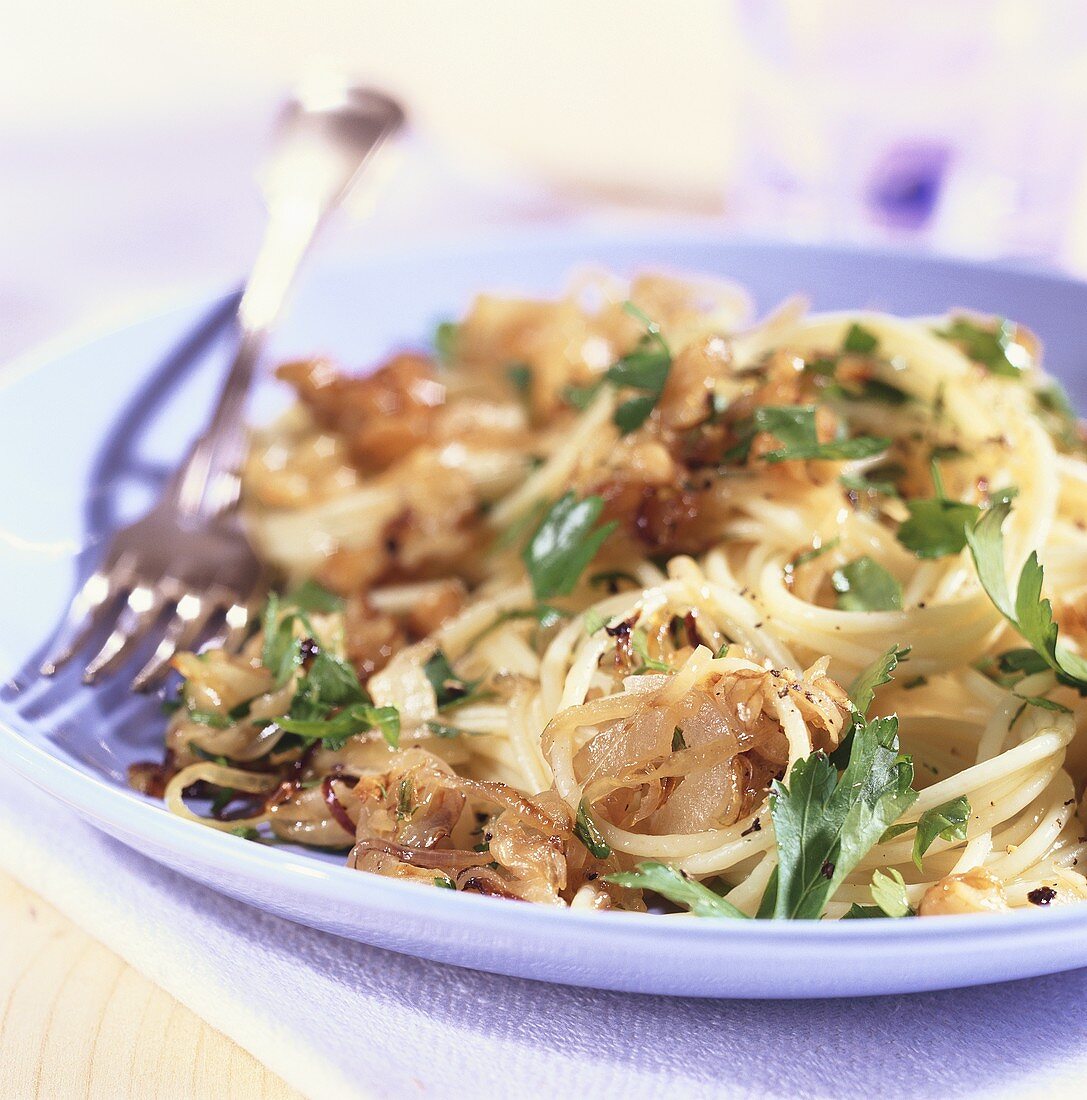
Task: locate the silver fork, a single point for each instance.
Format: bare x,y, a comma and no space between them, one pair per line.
188,563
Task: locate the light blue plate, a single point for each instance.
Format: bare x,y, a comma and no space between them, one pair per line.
85,440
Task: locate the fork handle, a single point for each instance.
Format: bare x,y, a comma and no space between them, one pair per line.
208,482
319,156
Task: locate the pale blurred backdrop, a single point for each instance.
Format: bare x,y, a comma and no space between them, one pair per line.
129,129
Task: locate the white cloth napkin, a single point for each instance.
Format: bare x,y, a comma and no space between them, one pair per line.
339,1019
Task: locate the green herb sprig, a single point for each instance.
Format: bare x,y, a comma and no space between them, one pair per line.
678,889
564,543
586,830
937,526
646,369
449,689
947,821
795,429
826,824
889,894
994,348
1029,613
864,585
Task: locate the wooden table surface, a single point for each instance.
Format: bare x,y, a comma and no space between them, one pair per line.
76,1020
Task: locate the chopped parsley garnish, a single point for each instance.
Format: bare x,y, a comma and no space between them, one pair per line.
859,912
825,824
862,691
937,526
949,451
282,652
440,729
564,543
859,341
824,366
329,682
449,688
312,596
678,889
883,480
889,894
1016,663
864,585
678,743
520,377
580,397
947,821
405,798
632,414
223,798
1058,416
1042,702
806,556
585,829
210,719
444,881
871,389
330,705
994,348
794,428
1011,666
335,730
639,642
645,369
445,341
594,622
1030,614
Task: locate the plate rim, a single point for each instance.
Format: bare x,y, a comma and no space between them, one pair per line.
112,805
128,810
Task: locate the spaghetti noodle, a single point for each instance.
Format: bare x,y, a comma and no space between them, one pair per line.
621,597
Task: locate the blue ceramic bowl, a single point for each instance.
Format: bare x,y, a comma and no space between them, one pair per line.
86,437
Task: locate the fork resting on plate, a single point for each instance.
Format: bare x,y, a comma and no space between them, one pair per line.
187,566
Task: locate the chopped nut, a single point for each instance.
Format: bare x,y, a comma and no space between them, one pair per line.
975,891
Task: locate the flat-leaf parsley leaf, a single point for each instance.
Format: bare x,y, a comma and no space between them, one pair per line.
825,825
678,889
864,585
1030,614
794,427
994,348
564,543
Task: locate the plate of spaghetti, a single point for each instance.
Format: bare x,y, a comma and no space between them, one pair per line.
660,613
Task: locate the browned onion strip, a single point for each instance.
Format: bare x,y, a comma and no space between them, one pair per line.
486,881
517,804
439,859
234,778
609,708
335,806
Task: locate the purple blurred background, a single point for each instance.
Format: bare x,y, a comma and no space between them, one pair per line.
129,130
